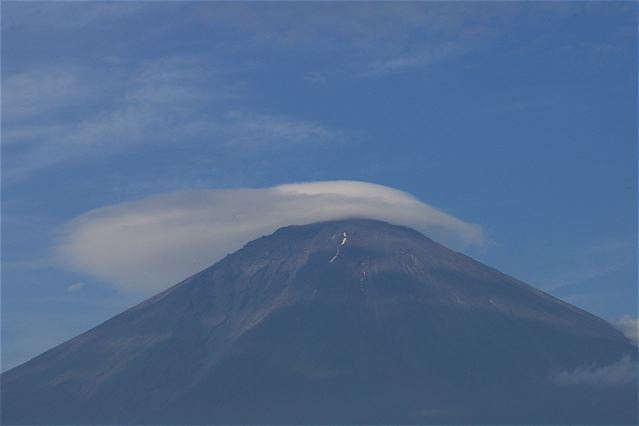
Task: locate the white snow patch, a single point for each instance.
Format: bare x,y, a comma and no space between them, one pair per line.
361,283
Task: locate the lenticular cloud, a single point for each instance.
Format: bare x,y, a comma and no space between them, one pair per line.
149,244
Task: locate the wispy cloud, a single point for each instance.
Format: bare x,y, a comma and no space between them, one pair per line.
629,327
621,372
149,244
110,110
55,110
75,287
428,55
63,16
29,94
160,101
267,131
371,39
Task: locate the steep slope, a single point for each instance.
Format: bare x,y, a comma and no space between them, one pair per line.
353,321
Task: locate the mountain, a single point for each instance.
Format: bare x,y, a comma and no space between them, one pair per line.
351,322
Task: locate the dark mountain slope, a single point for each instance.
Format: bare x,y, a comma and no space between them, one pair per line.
353,321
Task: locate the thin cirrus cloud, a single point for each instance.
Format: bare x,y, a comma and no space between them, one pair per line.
34,92
161,101
146,245
59,113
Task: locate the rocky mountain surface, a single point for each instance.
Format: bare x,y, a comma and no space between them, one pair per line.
350,322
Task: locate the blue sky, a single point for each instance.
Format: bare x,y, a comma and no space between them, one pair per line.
519,118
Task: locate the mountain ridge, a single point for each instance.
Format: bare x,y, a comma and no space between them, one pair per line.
336,287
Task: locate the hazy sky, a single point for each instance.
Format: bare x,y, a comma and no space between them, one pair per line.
513,124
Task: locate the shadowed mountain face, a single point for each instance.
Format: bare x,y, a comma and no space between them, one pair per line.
353,321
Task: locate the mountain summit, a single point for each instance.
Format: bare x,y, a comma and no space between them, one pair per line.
351,322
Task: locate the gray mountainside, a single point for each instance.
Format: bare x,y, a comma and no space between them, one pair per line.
352,321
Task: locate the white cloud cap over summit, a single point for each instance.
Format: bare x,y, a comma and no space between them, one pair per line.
149,244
